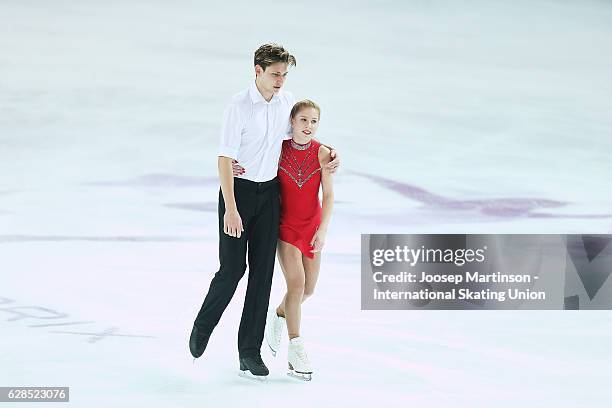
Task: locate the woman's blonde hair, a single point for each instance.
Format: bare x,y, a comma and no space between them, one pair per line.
306,103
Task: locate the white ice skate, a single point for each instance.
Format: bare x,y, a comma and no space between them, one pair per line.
275,326
299,366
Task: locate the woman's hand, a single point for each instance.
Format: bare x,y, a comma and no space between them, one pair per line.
237,170
317,241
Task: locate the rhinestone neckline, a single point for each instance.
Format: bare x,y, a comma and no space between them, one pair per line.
298,146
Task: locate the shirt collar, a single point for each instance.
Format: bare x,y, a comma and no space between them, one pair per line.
256,97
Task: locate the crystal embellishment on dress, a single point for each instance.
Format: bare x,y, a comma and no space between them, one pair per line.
300,173
298,146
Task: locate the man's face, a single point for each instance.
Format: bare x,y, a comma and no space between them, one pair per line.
272,79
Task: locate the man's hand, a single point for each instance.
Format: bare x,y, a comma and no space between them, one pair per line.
333,165
237,170
232,223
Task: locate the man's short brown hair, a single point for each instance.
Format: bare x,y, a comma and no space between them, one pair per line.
269,54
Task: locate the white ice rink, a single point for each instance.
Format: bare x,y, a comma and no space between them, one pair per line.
450,117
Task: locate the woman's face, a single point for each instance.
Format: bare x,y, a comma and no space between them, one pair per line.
305,123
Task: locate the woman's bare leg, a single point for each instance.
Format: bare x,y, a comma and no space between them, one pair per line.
311,272
290,259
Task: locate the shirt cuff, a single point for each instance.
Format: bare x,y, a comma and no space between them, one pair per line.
227,151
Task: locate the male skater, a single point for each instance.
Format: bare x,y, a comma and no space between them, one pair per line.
254,126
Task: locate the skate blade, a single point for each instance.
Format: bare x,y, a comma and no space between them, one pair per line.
272,350
300,376
249,376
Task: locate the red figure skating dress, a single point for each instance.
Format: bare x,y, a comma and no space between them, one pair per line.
299,174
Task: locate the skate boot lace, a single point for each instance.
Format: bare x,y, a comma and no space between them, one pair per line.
301,354
258,360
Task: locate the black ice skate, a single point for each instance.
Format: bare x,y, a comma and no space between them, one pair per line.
253,368
198,342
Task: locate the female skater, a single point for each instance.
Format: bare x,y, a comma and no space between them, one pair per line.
303,226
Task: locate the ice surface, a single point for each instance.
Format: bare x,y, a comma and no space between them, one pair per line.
487,117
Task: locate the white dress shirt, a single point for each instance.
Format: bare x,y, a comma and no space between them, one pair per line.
253,131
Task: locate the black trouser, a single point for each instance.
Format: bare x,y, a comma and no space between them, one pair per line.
258,206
